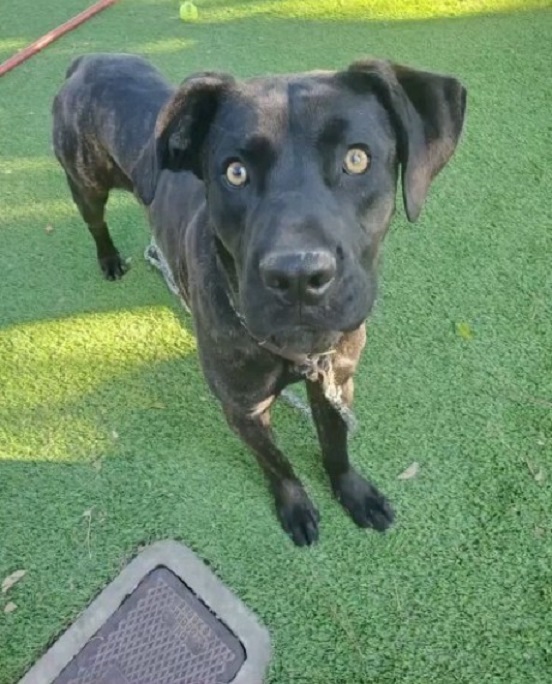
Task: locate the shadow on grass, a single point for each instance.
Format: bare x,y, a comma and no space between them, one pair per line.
48,262
102,387
54,274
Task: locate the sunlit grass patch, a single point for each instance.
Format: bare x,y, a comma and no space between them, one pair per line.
26,164
359,10
48,369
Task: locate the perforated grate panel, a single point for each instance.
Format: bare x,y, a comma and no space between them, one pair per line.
161,634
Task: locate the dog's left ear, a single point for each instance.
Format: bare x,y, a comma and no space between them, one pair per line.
180,131
427,111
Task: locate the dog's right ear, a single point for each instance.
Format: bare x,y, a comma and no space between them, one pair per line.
180,131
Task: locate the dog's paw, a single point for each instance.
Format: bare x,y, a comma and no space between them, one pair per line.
364,503
296,513
113,266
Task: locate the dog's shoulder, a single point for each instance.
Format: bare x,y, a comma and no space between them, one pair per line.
106,65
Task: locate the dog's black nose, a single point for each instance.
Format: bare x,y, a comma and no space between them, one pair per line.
299,276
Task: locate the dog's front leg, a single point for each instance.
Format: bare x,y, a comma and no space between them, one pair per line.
360,498
296,513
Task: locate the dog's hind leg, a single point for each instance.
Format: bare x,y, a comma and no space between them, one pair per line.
91,205
296,513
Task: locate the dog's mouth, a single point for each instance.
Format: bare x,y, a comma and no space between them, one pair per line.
302,341
296,333
308,334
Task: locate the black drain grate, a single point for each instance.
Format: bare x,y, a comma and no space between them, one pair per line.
161,634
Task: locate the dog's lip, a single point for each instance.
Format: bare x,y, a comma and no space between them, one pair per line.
293,330
298,336
304,340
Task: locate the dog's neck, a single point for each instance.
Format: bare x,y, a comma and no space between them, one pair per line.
312,367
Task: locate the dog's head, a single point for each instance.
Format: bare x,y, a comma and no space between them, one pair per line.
300,174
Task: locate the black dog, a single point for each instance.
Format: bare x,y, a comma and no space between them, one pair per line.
269,198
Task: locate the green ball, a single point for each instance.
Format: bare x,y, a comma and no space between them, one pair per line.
188,11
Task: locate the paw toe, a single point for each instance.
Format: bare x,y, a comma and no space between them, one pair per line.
365,504
298,516
113,267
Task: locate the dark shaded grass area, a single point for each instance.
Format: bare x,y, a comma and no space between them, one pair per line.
104,410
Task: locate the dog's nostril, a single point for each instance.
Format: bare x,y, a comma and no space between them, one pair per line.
280,283
299,276
318,280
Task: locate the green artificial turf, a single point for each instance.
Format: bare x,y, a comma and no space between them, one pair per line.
109,439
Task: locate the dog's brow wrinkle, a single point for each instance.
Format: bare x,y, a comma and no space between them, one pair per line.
333,132
257,146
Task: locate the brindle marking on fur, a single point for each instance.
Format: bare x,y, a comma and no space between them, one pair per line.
283,267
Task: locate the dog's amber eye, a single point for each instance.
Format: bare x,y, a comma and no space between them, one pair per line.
356,161
236,174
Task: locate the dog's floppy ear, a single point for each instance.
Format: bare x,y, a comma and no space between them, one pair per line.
180,131
427,111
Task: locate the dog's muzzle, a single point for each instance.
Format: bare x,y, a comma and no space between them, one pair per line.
299,277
